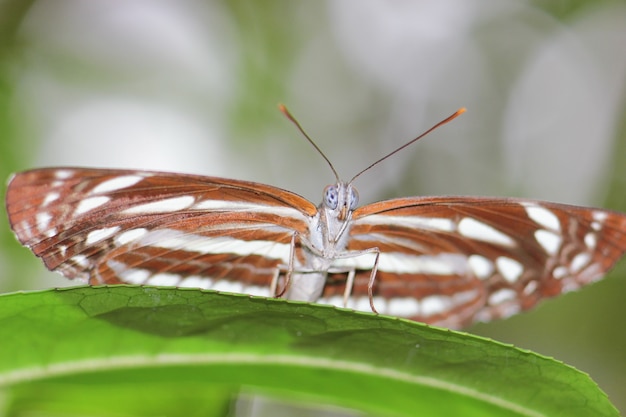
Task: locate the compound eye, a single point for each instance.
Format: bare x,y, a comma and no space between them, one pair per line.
331,197
354,198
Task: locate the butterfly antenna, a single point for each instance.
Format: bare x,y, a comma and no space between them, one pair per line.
441,123
293,120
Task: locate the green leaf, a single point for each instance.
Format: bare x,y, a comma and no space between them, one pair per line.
130,350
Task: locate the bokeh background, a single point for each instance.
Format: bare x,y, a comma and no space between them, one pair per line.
192,86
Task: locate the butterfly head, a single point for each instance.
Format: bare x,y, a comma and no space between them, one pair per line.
340,199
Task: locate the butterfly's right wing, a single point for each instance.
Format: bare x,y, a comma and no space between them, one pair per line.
139,227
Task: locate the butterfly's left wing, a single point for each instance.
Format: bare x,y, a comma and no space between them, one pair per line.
139,227
455,260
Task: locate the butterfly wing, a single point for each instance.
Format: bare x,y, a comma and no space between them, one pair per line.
139,227
455,260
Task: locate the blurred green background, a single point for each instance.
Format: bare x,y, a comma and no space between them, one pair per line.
192,86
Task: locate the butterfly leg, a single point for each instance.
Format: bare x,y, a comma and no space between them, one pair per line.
352,273
370,284
292,254
349,284
274,283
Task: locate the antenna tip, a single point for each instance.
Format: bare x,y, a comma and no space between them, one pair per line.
461,111
283,110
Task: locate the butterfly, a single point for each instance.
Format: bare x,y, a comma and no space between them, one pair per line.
447,261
